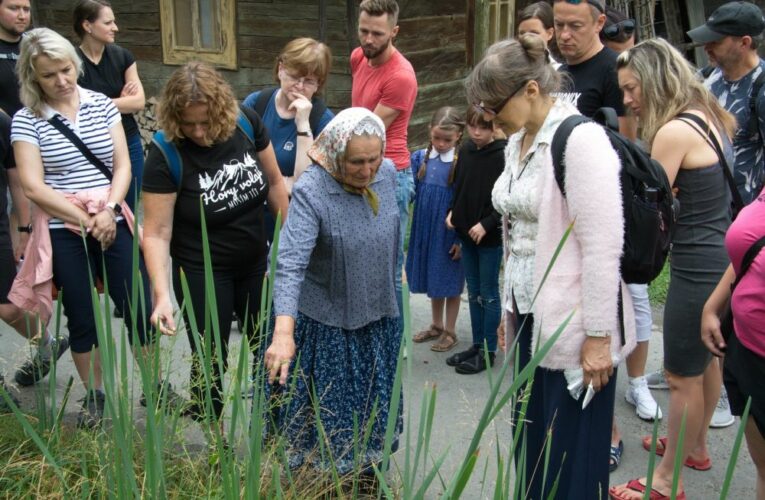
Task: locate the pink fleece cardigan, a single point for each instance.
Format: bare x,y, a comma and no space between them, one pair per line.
32,288
585,276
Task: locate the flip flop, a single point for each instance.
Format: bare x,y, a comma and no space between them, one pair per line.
691,463
636,486
445,342
433,332
615,456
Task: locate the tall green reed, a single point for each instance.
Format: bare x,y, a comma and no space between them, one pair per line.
118,461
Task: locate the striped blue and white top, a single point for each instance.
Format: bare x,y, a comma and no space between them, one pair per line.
65,167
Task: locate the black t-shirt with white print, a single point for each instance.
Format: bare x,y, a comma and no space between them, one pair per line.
227,180
595,84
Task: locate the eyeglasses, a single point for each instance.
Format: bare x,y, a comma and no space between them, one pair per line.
303,81
594,3
480,108
613,31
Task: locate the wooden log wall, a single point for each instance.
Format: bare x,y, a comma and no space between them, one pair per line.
433,36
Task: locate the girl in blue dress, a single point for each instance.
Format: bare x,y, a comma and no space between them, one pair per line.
433,259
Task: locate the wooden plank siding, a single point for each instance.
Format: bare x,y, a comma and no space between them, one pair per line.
433,36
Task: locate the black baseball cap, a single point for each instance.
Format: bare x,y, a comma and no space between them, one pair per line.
730,19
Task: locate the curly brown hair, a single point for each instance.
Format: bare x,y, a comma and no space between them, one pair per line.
198,83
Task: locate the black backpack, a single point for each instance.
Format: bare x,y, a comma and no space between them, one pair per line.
649,207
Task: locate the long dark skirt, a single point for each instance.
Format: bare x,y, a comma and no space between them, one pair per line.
348,376
579,439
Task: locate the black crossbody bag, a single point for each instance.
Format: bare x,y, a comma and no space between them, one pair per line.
59,125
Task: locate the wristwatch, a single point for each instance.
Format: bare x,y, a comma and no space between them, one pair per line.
25,229
305,134
599,334
116,208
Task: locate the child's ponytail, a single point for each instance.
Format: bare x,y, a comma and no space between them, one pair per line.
454,162
424,164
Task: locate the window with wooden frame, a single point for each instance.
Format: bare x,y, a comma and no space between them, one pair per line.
199,30
501,17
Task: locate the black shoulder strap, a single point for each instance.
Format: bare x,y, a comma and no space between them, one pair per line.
608,118
748,259
558,147
317,111
59,125
738,202
753,118
261,103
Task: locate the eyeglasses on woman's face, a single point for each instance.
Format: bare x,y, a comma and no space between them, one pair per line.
614,31
494,111
306,81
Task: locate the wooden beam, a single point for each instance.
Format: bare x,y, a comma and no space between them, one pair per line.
672,20
352,19
697,17
481,29
322,20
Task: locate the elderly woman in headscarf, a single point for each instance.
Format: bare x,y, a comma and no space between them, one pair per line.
334,296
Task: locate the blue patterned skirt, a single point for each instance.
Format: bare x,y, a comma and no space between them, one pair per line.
347,375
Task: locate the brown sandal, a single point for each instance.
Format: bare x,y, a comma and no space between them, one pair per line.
445,342
431,333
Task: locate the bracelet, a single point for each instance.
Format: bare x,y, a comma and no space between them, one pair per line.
304,134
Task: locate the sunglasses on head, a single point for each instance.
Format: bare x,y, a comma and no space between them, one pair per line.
594,3
613,31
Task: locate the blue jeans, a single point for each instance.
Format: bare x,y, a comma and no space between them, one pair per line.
481,265
404,196
73,260
136,166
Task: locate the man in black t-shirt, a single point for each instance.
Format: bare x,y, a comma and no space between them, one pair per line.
15,19
591,65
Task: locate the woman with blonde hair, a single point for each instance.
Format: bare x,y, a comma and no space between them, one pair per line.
74,166
213,152
682,121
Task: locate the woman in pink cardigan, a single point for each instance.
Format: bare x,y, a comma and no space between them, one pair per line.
514,85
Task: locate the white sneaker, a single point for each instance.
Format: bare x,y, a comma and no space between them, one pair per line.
722,416
639,396
656,380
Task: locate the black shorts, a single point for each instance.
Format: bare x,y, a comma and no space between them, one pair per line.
743,373
7,273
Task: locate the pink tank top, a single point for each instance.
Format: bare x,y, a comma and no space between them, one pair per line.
748,302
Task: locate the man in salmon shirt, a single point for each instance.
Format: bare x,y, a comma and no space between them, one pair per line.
384,82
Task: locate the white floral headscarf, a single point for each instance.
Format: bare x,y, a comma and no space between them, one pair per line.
328,150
